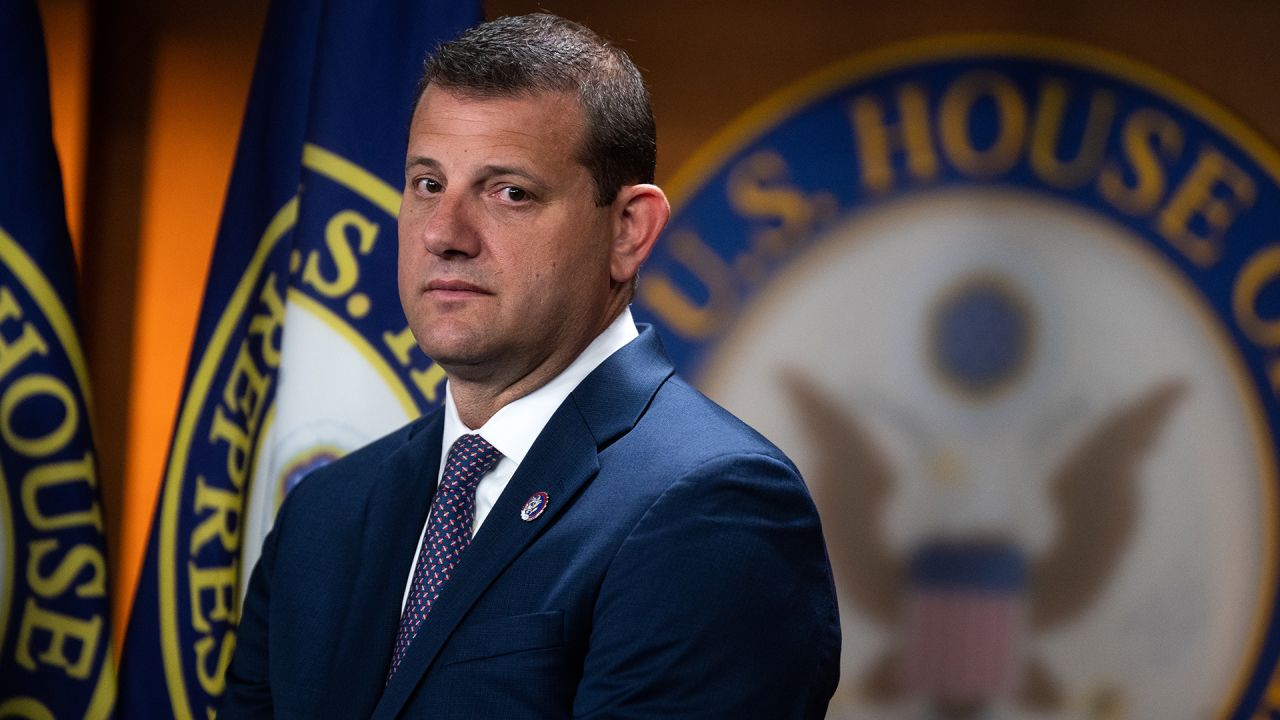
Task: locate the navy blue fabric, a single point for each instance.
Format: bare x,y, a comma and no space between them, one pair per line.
678,571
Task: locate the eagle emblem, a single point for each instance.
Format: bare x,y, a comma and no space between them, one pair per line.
961,608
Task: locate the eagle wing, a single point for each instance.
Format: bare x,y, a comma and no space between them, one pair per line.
1095,494
853,482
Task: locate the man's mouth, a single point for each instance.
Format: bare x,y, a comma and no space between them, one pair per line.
454,288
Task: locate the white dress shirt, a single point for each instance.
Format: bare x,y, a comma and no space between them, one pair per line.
517,424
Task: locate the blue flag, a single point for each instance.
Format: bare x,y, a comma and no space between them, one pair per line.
55,650
302,352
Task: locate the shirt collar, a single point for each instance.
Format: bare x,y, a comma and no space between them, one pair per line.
517,424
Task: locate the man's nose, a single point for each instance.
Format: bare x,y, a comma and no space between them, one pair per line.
448,228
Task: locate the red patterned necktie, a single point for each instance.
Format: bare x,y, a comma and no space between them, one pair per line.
448,534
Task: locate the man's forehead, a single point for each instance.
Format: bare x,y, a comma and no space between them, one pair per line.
549,120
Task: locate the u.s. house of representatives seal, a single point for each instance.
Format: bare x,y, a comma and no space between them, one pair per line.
1013,306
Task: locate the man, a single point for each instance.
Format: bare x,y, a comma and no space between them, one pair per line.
637,551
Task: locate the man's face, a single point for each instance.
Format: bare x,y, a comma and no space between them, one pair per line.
504,256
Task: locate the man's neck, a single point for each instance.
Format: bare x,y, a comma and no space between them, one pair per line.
478,401
477,397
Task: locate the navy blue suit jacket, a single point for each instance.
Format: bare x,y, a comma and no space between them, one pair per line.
678,572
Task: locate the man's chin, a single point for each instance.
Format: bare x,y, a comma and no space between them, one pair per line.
450,338
460,359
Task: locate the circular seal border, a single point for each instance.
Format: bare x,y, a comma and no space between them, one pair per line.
695,173
47,299
345,173
697,170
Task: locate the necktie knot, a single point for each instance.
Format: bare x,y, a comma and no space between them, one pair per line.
469,459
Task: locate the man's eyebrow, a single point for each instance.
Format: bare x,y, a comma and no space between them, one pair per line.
421,161
492,170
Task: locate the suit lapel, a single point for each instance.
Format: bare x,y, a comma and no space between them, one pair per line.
571,452
395,510
563,459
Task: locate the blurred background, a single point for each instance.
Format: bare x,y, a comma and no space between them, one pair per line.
147,103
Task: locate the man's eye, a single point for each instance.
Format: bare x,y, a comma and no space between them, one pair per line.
514,194
428,185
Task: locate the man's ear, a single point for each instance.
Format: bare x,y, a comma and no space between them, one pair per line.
640,213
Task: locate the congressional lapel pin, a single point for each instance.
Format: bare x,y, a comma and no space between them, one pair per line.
534,506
